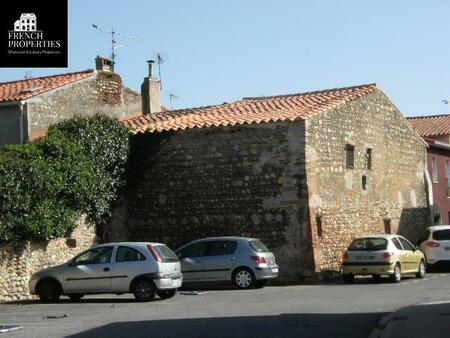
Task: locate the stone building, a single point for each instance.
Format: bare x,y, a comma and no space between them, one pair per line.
435,130
29,106
305,173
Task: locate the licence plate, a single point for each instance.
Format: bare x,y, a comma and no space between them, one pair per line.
275,270
364,258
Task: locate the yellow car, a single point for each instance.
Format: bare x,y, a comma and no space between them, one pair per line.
379,255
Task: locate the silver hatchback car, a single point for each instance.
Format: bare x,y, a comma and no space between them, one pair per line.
131,267
246,262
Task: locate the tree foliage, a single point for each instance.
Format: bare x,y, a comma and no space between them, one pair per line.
46,185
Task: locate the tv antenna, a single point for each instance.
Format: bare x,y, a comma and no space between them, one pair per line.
114,43
172,96
159,61
28,75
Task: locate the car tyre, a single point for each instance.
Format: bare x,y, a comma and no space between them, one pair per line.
165,294
143,290
244,278
396,277
75,297
48,291
421,270
348,278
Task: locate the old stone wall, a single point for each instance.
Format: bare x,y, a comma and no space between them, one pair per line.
102,92
18,261
241,181
340,208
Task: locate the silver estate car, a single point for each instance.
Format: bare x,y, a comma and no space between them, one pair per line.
135,267
246,262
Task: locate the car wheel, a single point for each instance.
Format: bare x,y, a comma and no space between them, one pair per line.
421,270
48,291
348,278
244,278
396,277
143,290
164,294
75,296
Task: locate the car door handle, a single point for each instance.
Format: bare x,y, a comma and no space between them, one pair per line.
106,269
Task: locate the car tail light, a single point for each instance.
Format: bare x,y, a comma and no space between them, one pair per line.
259,259
388,255
345,255
153,252
433,244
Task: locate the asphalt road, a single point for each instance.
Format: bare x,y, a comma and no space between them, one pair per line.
327,310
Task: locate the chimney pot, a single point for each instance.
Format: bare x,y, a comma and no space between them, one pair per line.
104,64
151,92
150,67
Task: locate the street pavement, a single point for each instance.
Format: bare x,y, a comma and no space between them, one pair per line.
326,310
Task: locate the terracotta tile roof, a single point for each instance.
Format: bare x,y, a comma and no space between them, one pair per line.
429,126
24,89
250,110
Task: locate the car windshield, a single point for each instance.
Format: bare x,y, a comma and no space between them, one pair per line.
442,235
165,253
368,244
258,246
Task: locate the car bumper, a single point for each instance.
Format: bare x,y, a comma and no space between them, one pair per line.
266,272
365,269
167,282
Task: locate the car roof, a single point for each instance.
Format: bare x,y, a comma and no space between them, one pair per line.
386,236
236,238
439,227
129,244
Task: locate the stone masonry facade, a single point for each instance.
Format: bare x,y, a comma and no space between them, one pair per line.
395,192
18,261
286,183
101,93
245,181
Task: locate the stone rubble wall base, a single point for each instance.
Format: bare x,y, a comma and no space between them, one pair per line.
19,260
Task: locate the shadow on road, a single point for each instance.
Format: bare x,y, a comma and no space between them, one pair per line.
285,325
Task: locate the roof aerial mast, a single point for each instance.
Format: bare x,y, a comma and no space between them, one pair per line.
114,43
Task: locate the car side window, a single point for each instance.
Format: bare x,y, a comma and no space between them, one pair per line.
126,254
194,250
397,243
221,248
406,244
95,256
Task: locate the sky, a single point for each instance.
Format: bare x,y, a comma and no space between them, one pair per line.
220,51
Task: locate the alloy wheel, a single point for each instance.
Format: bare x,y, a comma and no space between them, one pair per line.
243,279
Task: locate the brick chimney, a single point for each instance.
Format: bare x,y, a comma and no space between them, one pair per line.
150,92
104,64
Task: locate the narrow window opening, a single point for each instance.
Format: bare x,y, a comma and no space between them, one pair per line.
387,225
369,159
364,182
349,156
319,225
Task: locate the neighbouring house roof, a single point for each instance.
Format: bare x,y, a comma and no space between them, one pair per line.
24,89
431,126
250,110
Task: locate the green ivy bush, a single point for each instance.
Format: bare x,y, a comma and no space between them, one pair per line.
45,186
